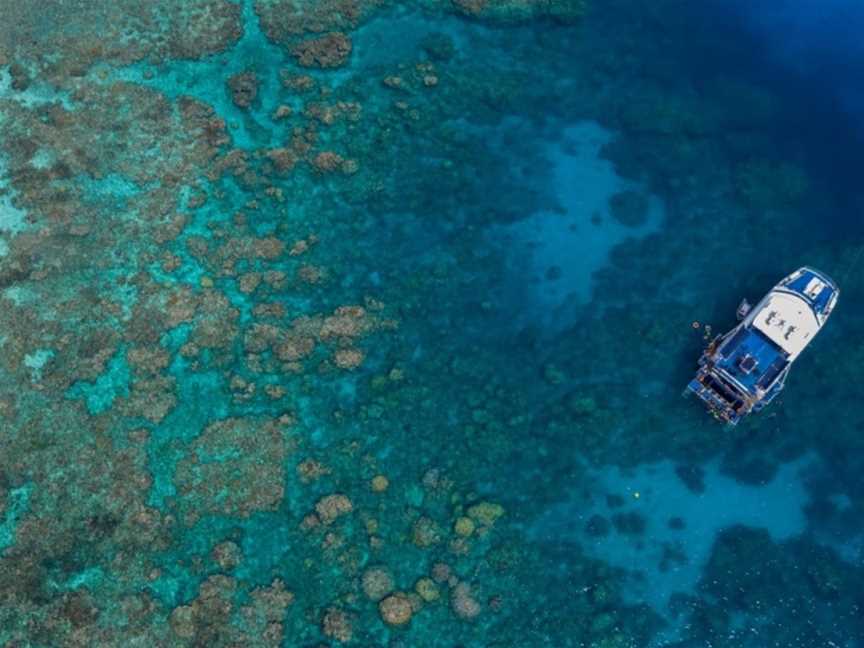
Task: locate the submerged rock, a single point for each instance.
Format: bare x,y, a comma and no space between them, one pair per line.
439,46
676,523
597,526
692,476
629,207
629,523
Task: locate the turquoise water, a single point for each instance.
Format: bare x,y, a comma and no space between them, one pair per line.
366,323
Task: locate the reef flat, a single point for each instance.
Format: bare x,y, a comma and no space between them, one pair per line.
365,323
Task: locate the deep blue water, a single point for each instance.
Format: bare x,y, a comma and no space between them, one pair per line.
306,345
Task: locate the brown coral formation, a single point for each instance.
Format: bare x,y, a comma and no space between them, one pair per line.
427,589
244,88
285,21
472,7
330,113
310,470
296,82
165,149
348,358
62,42
264,616
518,10
329,51
377,582
397,609
227,555
327,161
331,507
426,532
235,467
283,159
379,483
210,609
338,624
344,327
463,603
211,616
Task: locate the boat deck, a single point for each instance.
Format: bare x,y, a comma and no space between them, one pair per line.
814,287
751,359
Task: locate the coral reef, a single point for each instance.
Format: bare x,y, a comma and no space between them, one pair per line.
235,467
509,11
262,382
244,88
329,51
377,583
396,609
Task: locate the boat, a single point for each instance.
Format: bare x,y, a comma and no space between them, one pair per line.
743,370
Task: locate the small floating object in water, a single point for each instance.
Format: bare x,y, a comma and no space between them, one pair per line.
742,371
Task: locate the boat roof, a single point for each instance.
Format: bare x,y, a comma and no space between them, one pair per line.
787,320
751,360
816,287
